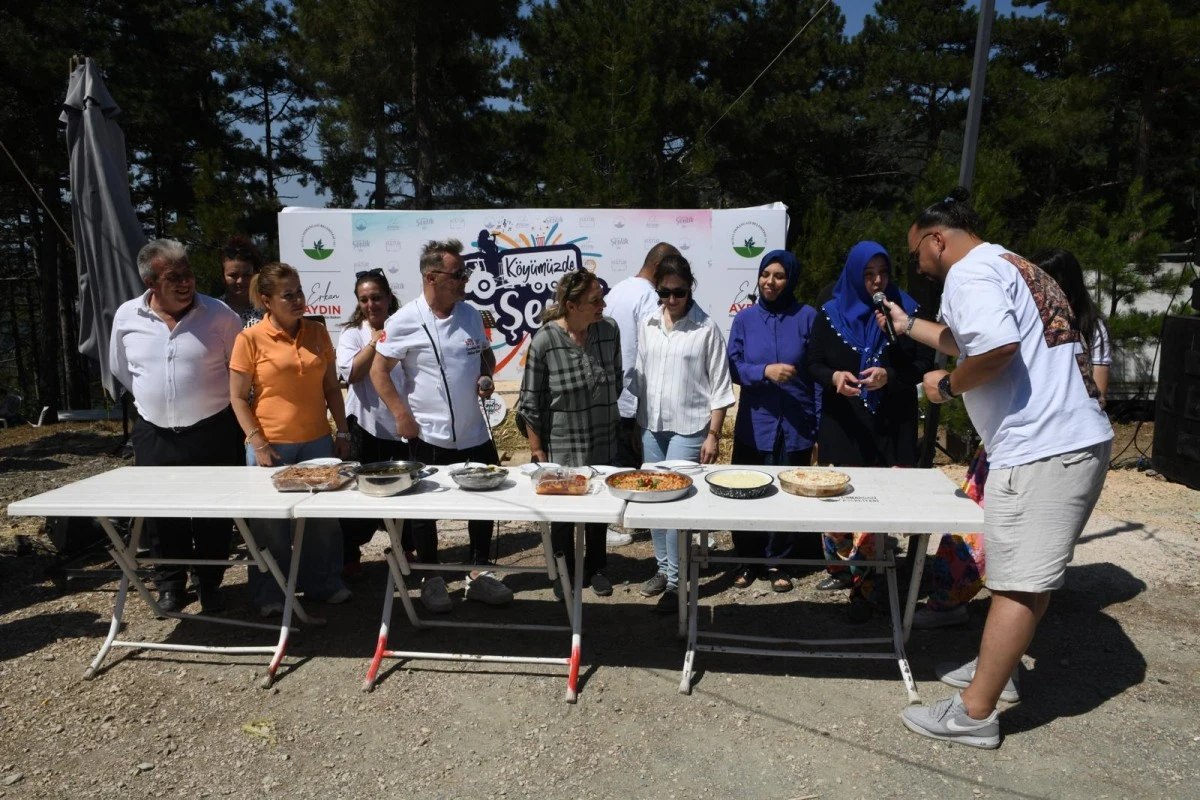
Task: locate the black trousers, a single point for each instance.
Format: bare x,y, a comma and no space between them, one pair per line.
367,448
595,545
424,531
212,442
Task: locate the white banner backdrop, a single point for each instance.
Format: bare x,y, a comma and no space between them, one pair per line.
518,255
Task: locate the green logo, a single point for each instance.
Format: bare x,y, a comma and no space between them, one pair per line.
749,240
318,242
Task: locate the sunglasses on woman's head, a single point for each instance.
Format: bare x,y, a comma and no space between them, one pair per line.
358,276
679,293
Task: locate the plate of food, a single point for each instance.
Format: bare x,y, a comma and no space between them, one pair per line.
315,475
476,477
648,486
739,484
814,482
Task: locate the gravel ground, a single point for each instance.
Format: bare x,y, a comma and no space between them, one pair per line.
1111,684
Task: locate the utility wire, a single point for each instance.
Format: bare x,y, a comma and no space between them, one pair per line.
49,213
746,91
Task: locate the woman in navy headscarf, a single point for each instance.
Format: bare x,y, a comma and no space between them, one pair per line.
777,411
869,404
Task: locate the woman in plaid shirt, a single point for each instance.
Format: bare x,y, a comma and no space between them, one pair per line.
568,401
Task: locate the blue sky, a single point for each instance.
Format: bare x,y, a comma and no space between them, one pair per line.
854,11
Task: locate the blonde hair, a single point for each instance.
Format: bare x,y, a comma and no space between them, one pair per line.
266,281
571,289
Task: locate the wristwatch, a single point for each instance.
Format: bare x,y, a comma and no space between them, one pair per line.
944,388
346,434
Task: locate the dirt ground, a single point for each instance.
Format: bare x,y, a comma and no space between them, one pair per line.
1111,686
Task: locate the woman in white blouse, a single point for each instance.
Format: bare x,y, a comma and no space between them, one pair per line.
372,436
683,388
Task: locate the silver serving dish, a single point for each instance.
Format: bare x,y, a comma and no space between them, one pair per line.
387,478
648,495
479,477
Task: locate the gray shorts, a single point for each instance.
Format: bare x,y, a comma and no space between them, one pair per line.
1034,513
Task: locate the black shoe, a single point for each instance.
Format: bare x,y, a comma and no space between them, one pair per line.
668,601
836,581
171,600
212,601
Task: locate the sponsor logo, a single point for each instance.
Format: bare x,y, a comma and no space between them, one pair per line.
649,242
393,245
361,244
458,222
360,226
749,240
618,265
744,297
587,222
424,222
619,223
685,219
684,245
361,265
652,223
552,220
619,241
317,242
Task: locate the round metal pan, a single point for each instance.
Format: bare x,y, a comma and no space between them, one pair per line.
734,493
648,495
387,478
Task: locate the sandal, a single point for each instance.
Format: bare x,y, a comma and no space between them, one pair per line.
780,580
745,577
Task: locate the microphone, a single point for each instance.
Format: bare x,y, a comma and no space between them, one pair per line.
879,299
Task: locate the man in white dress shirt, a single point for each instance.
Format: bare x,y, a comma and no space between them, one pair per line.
442,347
629,303
170,348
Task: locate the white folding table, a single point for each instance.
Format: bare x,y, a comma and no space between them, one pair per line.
438,497
912,502
239,493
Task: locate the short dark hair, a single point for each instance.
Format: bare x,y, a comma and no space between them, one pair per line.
953,211
239,247
675,265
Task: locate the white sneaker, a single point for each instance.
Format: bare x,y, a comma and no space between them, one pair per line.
434,596
614,538
340,596
960,677
487,588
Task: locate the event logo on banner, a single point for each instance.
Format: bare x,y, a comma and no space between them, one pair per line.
318,242
514,275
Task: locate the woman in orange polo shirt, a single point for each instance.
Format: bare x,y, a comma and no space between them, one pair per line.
288,363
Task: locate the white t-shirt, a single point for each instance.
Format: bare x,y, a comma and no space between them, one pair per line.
629,303
1039,406
362,401
1100,353
437,394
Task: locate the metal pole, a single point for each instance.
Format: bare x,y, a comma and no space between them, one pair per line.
983,44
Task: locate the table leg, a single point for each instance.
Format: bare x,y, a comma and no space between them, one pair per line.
689,657
382,643
914,580
881,546
265,561
548,550
113,628
685,542
399,567
577,617
289,600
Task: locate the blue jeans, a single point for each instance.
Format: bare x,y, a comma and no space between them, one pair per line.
321,556
663,446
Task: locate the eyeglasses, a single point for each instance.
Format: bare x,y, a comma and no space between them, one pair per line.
458,274
914,255
358,276
678,293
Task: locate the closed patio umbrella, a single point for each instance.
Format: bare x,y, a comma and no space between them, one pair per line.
107,232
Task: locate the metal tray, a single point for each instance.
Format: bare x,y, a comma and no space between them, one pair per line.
648,495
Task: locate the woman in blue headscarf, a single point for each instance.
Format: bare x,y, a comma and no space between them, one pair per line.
869,406
777,411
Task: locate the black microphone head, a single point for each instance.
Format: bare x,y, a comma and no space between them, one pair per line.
879,298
